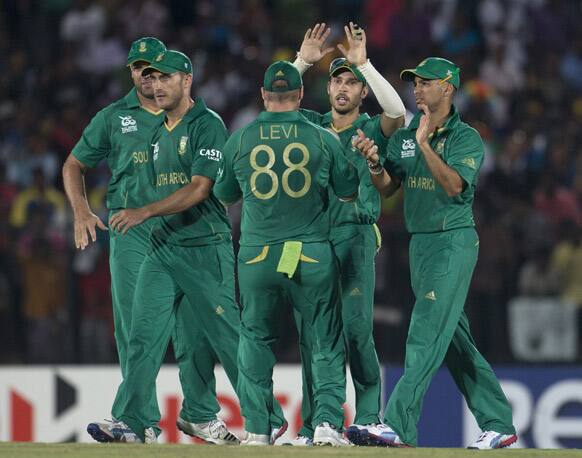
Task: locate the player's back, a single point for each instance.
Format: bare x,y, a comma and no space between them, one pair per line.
284,165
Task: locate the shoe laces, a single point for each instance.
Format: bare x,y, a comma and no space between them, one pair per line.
217,428
487,436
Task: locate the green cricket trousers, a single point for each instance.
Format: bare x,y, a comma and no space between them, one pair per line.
208,322
312,291
355,247
441,267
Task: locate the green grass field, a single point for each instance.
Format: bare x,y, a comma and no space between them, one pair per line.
10,449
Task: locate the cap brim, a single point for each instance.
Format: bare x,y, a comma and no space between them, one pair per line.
349,69
138,59
158,68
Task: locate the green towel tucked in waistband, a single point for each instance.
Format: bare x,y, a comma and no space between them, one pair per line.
290,258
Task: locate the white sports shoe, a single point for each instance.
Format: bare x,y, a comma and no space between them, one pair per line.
213,432
382,435
113,431
256,439
326,434
299,441
489,440
150,436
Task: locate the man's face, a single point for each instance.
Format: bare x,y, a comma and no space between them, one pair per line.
430,92
345,92
142,84
169,89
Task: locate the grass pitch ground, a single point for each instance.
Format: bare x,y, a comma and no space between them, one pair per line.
35,450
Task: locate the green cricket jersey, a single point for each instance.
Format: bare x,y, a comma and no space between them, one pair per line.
192,147
120,134
366,208
282,165
427,207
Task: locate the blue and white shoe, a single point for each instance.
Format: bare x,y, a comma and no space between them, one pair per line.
489,440
118,431
357,434
382,435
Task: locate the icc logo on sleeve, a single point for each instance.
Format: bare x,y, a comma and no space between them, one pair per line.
408,148
128,124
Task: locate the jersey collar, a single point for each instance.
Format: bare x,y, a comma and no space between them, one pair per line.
450,123
280,116
198,108
131,99
327,121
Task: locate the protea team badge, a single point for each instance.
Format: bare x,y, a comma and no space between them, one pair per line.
143,47
440,146
182,147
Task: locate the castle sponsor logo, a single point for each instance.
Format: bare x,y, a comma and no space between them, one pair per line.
211,153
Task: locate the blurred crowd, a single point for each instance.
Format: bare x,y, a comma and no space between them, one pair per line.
521,74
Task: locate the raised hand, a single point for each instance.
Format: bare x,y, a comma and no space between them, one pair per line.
312,48
422,131
84,226
366,147
356,53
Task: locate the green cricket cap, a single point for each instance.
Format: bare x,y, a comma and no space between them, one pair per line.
282,70
341,63
146,49
169,62
433,68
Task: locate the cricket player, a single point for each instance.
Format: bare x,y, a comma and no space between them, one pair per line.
436,159
190,248
119,134
354,234
282,165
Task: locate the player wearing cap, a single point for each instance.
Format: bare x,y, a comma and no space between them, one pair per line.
282,165
436,159
119,134
190,248
354,235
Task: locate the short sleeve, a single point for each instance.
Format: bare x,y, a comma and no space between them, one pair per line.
94,145
227,187
208,142
466,155
373,130
390,155
312,116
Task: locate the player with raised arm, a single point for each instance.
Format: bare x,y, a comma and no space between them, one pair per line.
282,165
354,234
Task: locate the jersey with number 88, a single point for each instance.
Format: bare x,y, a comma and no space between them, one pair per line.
282,165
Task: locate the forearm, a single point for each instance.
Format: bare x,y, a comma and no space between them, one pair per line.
445,176
386,95
384,184
381,179
183,199
74,184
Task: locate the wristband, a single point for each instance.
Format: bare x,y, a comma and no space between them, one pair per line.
301,65
375,168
